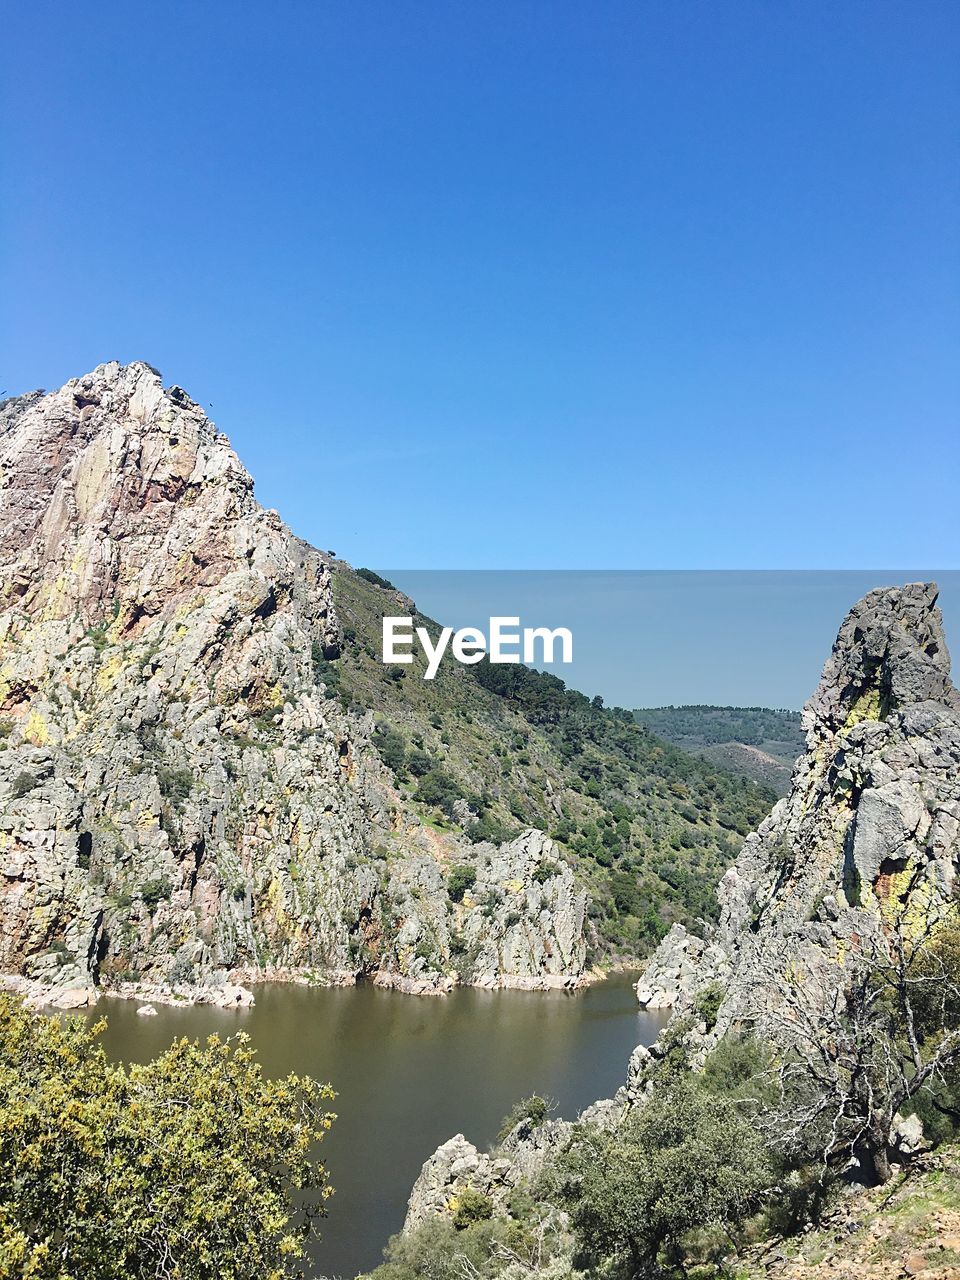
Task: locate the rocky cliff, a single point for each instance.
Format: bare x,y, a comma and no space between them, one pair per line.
180,798
868,835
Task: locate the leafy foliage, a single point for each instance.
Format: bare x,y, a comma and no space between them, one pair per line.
472,1206
460,881
685,1160
192,1166
368,575
531,1111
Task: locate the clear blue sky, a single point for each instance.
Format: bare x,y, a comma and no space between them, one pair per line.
515,284
650,639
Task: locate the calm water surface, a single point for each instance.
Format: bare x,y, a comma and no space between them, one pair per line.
409,1073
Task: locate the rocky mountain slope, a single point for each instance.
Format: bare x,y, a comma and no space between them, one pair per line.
909,1230
207,774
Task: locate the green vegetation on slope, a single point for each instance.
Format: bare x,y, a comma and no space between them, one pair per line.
489,750
704,725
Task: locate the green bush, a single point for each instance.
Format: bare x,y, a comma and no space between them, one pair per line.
438,790
193,1165
533,1111
546,870
368,575
472,1207
708,1002
459,881
437,1250
684,1160
391,748
155,891
418,762
174,784
488,830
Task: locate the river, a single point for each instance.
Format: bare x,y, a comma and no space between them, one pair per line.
411,1072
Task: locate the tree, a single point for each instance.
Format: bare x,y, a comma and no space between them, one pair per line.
684,1159
192,1166
461,880
889,1037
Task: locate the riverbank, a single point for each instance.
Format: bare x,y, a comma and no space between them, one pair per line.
234,992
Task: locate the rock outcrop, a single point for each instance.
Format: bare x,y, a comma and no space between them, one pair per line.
675,969
867,835
182,805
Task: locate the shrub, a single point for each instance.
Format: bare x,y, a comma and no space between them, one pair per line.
174,784
324,671
169,1167
490,831
182,972
439,790
391,748
98,636
533,1111
459,881
155,891
418,763
684,1160
437,1250
472,1207
368,575
708,1002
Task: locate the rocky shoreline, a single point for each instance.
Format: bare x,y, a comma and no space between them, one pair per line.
235,992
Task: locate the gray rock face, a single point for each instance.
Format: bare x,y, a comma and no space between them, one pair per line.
868,831
457,1165
674,971
181,805
452,1167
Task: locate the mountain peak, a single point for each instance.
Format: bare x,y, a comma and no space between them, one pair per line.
890,653
116,487
865,840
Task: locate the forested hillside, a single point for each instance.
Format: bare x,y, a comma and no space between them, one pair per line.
493,749
758,742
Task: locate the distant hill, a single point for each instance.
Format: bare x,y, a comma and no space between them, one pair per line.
759,742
